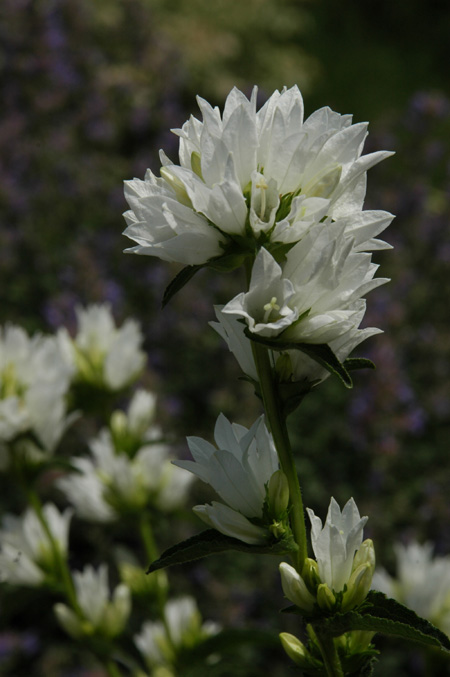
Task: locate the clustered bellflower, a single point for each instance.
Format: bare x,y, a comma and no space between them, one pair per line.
284,196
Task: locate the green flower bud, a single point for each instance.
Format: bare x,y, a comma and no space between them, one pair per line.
278,494
196,164
295,649
325,597
177,185
357,587
310,574
365,553
283,367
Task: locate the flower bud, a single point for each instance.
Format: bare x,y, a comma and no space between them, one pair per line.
196,164
278,493
283,367
295,649
295,589
365,553
177,186
358,586
325,597
310,574
323,183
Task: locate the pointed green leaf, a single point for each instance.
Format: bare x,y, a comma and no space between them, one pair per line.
209,542
320,353
179,281
381,614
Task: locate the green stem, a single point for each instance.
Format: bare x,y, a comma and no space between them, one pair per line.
330,656
277,424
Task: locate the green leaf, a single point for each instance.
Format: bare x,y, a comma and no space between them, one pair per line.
210,542
381,614
320,353
179,281
352,363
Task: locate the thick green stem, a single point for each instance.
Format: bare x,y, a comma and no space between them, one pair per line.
277,424
330,656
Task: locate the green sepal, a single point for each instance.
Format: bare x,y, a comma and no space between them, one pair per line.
210,542
179,281
381,614
319,352
353,363
292,393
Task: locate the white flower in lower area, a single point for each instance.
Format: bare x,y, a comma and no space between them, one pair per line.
101,613
27,555
110,483
249,174
341,574
238,470
422,583
231,329
101,353
160,642
34,380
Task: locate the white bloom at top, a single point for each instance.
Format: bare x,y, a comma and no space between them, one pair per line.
182,629
341,574
34,379
101,353
238,470
268,171
27,555
111,483
422,583
103,613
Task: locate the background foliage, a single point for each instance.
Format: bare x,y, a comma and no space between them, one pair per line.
89,90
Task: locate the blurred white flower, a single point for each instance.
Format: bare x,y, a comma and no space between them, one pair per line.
159,642
422,583
238,470
264,174
34,380
342,571
101,353
102,613
27,555
112,483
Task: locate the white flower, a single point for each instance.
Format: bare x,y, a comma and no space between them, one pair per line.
33,383
103,614
341,574
231,329
27,555
315,297
111,483
266,171
101,353
238,470
160,642
422,583
335,543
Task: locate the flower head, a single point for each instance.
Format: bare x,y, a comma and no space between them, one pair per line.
238,470
182,629
102,613
341,574
102,354
422,582
260,176
34,380
27,555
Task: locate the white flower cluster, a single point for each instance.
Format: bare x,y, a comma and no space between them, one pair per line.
422,583
113,482
160,642
102,354
34,380
341,575
286,194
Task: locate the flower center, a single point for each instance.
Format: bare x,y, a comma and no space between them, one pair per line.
270,307
262,185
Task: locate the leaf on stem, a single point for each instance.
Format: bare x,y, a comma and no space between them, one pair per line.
209,542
